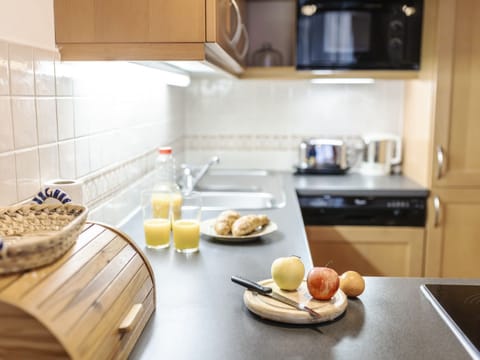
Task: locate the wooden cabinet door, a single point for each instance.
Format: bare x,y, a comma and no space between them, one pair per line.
124,21
375,251
453,234
457,110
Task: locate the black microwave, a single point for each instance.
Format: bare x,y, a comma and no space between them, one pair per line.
359,34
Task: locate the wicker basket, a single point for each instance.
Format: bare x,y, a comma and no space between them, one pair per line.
33,235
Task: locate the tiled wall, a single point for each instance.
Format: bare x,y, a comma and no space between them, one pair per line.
99,122
259,124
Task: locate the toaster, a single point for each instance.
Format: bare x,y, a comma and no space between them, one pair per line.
323,156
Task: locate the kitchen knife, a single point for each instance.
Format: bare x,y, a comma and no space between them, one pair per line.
267,291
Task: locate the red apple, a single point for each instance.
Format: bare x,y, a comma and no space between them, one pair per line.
322,283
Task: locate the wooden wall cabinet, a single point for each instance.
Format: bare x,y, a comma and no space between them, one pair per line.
443,130
370,250
212,31
457,111
151,30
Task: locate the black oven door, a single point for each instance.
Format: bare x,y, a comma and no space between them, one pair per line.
377,34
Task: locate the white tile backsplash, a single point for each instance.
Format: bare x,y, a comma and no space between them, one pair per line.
82,153
24,122
106,119
84,114
28,173
44,70
66,159
4,72
268,119
79,120
21,70
63,78
49,167
46,120
6,126
65,118
8,179
99,152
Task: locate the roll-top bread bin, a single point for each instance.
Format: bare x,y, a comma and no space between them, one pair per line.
92,303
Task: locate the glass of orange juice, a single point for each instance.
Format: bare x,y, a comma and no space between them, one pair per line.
186,223
157,208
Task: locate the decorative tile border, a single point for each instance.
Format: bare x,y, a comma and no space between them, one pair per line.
252,142
104,184
112,194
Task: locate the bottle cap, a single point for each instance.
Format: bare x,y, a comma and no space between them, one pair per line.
165,150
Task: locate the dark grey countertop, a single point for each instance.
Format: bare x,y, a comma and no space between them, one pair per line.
200,313
355,184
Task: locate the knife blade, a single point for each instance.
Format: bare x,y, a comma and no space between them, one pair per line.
268,291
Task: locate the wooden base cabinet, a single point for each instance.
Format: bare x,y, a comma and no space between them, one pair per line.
374,251
453,234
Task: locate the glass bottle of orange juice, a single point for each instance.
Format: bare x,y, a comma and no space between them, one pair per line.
168,194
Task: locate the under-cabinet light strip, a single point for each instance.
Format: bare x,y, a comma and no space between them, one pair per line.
343,81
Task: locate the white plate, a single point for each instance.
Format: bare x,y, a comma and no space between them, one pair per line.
207,228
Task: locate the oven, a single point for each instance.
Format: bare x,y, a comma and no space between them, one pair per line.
373,235
363,210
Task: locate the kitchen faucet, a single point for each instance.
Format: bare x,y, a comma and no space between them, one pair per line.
189,181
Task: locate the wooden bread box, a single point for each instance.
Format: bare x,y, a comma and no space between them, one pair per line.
92,303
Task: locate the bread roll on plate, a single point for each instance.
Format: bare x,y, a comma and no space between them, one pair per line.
248,223
224,221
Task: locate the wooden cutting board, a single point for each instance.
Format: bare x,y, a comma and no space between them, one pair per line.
272,309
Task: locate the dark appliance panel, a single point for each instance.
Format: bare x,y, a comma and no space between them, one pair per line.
375,34
358,210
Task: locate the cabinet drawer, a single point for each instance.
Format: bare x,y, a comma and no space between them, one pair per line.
370,250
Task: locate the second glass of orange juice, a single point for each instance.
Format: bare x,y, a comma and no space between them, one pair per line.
186,223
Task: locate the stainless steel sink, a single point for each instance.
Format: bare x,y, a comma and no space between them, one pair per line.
241,189
213,200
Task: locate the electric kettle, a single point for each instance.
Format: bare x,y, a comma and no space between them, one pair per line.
381,152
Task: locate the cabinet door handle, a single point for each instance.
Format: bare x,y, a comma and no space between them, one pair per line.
437,207
238,31
440,161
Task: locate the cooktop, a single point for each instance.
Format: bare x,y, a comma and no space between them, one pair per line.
459,306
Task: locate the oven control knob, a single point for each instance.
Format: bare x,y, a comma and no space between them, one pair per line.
396,27
395,49
396,43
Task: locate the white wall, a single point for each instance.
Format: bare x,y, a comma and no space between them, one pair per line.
99,122
28,22
259,124
75,120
